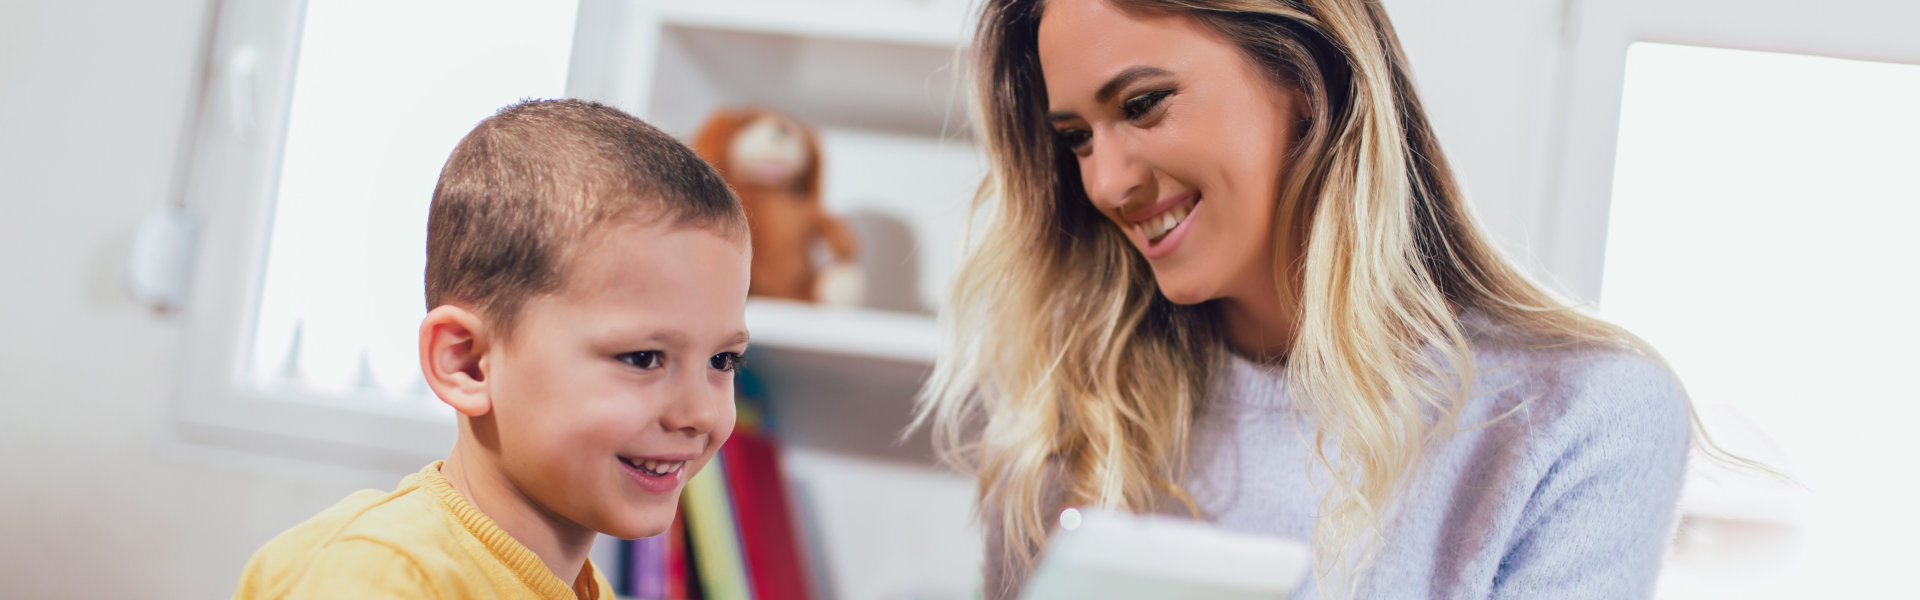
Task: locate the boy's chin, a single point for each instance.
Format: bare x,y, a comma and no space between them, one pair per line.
642,526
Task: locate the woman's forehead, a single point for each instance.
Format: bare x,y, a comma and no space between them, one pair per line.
1084,45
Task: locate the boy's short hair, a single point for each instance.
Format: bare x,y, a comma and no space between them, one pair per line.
528,183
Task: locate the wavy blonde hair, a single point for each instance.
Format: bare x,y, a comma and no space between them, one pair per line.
1063,367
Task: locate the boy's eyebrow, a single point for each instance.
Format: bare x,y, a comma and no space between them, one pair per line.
667,335
675,337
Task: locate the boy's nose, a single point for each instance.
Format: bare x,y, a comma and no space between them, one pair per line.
698,408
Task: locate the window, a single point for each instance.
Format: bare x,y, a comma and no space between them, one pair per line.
320,139
1732,187
341,295
1760,238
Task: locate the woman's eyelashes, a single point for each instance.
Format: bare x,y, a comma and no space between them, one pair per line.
1140,110
1143,106
1074,139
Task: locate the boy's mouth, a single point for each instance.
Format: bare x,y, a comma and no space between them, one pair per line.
655,468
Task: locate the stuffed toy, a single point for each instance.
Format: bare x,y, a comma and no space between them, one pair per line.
773,163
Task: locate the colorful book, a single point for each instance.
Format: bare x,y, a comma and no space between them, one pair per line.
775,568
646,568
679,566
714,535
622,574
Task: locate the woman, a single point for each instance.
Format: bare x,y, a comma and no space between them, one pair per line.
1227,272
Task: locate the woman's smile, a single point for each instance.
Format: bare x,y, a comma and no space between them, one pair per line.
1161,234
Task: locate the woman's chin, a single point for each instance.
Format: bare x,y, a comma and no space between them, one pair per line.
1182,293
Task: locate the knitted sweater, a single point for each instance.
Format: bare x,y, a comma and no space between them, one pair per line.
423,540
1571,494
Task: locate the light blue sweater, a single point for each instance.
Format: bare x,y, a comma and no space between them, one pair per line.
1573,495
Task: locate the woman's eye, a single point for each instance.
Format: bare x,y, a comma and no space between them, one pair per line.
726,361
1073,139
1140,106
644,359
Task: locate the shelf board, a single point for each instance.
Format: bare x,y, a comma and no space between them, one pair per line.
888,23
895,85
844,331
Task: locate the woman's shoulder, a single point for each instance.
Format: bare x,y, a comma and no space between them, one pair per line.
1582,389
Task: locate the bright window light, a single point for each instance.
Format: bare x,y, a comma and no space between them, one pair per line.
382,92
1762,237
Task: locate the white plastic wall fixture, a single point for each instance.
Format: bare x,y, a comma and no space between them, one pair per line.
160,258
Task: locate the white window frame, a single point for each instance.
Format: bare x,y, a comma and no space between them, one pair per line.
1594,70
237,138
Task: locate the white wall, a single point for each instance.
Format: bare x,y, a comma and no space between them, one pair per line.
99,496
1488,71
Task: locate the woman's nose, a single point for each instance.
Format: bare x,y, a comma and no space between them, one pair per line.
1112,174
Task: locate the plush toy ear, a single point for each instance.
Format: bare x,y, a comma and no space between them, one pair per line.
810,178
716,136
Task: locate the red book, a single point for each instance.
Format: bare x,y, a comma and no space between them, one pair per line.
676,557
767,539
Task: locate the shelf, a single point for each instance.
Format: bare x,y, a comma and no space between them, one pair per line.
916,24
877,80
848,332
879,85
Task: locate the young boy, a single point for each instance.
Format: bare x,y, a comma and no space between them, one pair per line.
587,283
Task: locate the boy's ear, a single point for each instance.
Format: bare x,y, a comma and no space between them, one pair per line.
453,340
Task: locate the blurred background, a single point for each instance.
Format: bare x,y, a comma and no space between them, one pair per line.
212,214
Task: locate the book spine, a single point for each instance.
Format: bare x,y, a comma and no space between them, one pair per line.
679,568
764,516
622,574
647,568
715,536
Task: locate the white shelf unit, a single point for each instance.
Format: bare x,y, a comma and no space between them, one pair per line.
854,333
878,81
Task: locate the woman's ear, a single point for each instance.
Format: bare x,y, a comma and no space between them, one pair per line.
453,340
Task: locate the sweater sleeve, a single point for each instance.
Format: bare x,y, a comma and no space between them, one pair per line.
1599,517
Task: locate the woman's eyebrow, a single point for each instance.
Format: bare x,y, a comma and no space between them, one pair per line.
1111,88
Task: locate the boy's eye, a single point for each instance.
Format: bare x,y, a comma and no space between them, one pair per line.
1139,107
726,361
644,359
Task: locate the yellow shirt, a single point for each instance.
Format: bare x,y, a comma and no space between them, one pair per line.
423,540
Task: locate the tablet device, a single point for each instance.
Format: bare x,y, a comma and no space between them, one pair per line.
1119,556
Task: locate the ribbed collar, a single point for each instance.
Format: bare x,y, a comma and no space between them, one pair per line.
517,557
1242,382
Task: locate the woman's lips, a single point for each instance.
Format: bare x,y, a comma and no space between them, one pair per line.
1155,220
1158,247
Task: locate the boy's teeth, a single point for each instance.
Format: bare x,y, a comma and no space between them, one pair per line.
658,467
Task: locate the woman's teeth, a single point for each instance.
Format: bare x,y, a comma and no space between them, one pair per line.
1158,227
658,468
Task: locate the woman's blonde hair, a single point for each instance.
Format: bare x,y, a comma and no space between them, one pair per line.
1064,368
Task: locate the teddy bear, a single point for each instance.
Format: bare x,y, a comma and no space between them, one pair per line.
773,162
